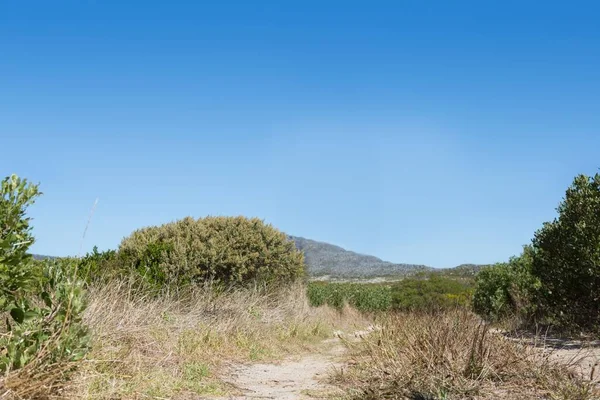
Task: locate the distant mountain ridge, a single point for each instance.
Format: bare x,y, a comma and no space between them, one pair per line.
324,259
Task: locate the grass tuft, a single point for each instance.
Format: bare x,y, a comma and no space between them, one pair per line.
453,355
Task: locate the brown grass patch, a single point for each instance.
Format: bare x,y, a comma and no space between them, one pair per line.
176,345
453,355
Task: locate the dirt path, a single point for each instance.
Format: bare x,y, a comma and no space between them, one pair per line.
301,377
580,356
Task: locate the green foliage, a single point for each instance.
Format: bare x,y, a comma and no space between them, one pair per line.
427,292
557,279
567,256
18,274
229,250
432,292
41,302
508,289
47,325
100,266
364,296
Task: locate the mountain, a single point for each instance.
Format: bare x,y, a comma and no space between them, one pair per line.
41,257
326,259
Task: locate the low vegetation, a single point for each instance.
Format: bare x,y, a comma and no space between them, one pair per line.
367,297
452,355
425,292
431,292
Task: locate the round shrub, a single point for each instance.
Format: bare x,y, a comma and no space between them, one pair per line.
231,250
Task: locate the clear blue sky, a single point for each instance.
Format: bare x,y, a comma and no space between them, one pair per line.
421,132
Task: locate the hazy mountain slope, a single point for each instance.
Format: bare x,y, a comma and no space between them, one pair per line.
327,259
42,257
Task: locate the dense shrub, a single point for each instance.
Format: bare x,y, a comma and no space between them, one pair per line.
229,250
567,257
19,275
508,290
557,278
41,303
101,266
46,325
430,293
363,296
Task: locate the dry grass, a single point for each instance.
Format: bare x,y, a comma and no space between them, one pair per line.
453,356
174,346
37,380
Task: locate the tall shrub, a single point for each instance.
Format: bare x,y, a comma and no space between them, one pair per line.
41,303
567,257
18,274
231,250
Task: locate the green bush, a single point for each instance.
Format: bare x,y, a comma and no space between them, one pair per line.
229,250
557,279
508,289
100,266
19,275
432,292
424,293
363,296
567,257
46,326
42,302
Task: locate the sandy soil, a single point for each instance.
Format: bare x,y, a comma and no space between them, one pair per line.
301,377
293,378
582,357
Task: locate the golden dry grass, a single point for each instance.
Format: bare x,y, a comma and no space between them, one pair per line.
176,345
453,356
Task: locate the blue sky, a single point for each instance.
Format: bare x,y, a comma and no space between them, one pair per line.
421,132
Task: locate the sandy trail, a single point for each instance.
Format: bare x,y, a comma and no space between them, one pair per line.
582,357
301,377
